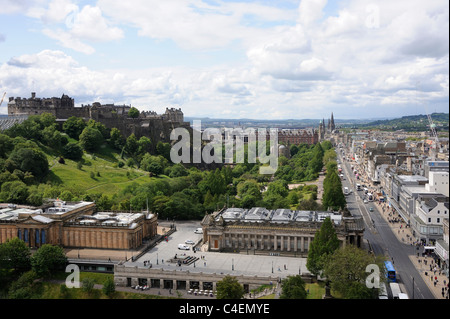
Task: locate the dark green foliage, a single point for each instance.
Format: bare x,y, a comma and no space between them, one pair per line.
229,288
48,258
324,244
333,196
74,126
14,254
133,112
73,151
91,139
28,160
293,287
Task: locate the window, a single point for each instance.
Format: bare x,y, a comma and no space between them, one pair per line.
429,220
438,220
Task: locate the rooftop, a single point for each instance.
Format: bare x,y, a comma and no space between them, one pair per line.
260,214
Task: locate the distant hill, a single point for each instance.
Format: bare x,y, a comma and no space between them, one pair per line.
412,123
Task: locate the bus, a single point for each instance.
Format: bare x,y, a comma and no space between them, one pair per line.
395,289
390,271
382,292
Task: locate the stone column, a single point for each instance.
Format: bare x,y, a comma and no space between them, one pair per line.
302,244
275,242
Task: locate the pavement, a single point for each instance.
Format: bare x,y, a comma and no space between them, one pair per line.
435,279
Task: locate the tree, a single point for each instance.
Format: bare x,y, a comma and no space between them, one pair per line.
88,285
346,269
28,160
117,140
293,287
14,192
24,287
91,139
109,288
74,126
163,149
73,151
324,244
333,196
133,112
145,145
153,164
15,254
48,258
316,162
131,145
229,288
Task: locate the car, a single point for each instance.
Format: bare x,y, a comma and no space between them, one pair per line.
191,242
371,209
198,231
366,201
183,247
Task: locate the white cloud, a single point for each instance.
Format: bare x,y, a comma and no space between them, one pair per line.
67,40
90,24
64,21
296,63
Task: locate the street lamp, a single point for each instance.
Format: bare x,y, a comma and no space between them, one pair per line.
232,264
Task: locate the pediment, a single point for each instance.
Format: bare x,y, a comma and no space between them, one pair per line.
35,220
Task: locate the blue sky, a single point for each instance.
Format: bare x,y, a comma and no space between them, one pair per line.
232,59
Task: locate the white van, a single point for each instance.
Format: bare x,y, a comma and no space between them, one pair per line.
198,231
183,247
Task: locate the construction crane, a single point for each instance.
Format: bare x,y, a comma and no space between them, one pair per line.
435,137
1,102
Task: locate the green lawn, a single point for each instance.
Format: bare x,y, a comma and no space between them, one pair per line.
108,177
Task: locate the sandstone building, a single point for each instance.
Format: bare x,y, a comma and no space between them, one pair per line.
150,124
282,230
76,224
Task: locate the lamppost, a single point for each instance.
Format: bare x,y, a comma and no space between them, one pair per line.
232,264
157,259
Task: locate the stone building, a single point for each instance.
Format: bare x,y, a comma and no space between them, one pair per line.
155,126
76,224
282,230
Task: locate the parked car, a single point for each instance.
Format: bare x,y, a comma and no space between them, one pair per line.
371,209
190,242
183,247
198,231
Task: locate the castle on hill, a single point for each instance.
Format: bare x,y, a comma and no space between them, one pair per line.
150,124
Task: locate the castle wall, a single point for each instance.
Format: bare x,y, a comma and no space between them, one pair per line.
149,124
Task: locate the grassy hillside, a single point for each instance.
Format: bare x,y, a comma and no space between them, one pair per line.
412,123
99,173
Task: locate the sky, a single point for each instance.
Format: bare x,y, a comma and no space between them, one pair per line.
256,59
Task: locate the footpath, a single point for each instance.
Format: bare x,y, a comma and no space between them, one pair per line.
430,272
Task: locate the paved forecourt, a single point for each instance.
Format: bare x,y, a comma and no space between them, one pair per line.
215,262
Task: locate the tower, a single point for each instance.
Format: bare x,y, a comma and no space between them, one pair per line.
332,126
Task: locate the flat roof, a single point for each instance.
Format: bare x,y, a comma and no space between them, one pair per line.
282,215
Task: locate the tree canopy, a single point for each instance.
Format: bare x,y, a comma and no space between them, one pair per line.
229,288
325,242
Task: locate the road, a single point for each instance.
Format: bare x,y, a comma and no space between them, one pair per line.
380,235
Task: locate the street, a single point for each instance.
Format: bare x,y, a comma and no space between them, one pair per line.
380,235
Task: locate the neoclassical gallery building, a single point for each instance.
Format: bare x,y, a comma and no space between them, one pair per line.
281,231
76,224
